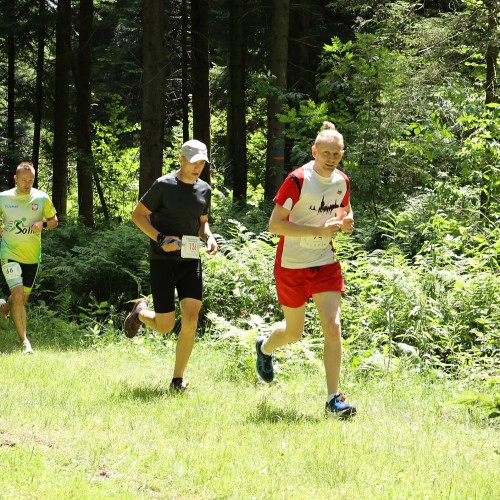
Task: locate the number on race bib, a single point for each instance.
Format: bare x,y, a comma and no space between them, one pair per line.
314,242
12,271
190,247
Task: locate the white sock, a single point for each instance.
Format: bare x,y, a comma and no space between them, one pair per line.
262,349
331,396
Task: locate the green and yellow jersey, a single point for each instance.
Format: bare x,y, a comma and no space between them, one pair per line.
18,212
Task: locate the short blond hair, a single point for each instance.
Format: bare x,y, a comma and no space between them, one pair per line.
25,165
327,132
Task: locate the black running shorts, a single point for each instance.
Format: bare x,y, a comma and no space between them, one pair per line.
167,275
26,277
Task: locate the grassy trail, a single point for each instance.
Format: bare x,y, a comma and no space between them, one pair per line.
97,424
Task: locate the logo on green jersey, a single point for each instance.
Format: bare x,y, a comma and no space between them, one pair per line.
18,227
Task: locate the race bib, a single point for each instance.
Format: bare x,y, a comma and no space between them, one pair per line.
190,247
12,271
314,242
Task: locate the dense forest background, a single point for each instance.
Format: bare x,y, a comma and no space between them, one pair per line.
101,94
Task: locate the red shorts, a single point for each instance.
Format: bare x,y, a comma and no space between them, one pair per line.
296,286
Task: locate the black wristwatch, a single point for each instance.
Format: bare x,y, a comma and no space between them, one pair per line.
44,224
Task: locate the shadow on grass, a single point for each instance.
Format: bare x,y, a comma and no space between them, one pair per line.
45,340
147,393
49,332
9,342
272,413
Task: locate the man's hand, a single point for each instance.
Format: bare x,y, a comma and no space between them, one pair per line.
333,226
212,247
37,226
173,245
344,221
347,223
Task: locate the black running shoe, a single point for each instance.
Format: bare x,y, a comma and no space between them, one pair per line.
264,362
178,385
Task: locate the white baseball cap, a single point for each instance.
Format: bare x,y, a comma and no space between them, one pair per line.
194,151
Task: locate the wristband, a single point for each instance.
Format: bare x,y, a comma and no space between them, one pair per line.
160,239
172,240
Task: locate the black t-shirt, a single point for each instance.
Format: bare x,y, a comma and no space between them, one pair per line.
176,208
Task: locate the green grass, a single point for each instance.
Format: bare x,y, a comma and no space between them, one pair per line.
98,423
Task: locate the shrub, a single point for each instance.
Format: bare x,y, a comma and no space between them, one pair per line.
82,265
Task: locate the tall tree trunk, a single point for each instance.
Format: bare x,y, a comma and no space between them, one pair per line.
84,160
237,157
61,107
40,60
153,94
275,156
185,70
492,51
200,62
304,50
491,92
11,107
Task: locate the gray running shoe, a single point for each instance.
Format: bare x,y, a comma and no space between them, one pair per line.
132,325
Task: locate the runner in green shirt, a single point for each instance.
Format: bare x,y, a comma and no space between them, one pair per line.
25,212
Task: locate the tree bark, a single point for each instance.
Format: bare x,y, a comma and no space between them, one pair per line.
200,65
491,93
304,46
84,161
11,105
153,94
61,107
40,60
492,51
304,51
237,157
275,155
185,71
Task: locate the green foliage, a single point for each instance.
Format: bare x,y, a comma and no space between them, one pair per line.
82,265
423,293
400,92
480,154
431,288
240,279
489,404
302,120
228,219
116,162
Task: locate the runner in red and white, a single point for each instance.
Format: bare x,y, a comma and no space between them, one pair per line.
311,207
312,200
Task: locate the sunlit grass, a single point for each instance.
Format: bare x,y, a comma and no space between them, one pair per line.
101,424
